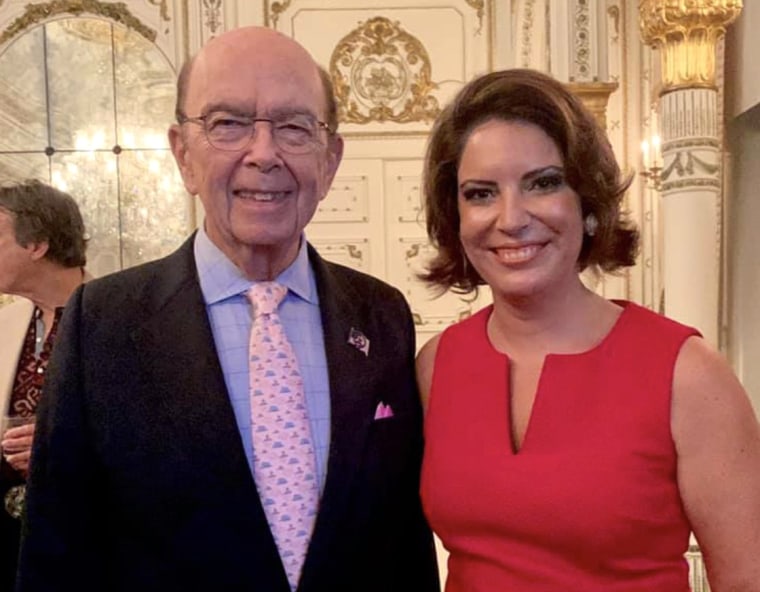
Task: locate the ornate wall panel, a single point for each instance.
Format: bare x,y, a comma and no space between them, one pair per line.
348,226
393,67
347,201
407,249
431,315
354,253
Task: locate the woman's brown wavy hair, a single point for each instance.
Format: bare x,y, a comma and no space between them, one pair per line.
590,169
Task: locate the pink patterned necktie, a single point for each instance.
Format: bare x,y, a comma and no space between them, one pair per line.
284,464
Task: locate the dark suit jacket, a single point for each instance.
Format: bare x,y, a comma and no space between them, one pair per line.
139,481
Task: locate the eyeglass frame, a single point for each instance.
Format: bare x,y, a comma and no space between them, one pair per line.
200,120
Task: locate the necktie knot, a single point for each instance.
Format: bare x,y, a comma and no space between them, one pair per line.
266,297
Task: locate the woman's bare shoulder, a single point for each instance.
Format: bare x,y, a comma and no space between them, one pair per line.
425,364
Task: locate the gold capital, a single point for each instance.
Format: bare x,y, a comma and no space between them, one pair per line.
686,32
595,96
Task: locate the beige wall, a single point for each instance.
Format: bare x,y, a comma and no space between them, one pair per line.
742,51
742,284
743,222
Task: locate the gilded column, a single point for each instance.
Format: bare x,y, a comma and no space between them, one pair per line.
686,33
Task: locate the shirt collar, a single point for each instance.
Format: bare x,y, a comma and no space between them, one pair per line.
220,278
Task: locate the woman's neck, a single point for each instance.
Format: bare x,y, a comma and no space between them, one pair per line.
565,321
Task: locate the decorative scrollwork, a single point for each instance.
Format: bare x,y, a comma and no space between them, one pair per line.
479,6
37,13
213,18
526,29
163,9
582,39
614,14
276,9
382,73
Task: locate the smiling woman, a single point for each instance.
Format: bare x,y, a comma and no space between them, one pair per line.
571,442
86,104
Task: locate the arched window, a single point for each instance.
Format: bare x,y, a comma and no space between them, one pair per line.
85,107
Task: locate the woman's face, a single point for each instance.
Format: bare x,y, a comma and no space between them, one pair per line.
520,222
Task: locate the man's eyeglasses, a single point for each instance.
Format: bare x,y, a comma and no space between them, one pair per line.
294,133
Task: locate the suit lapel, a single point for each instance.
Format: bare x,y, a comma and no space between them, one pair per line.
191,377
352,410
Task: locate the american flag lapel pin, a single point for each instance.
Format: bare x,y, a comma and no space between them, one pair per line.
359,341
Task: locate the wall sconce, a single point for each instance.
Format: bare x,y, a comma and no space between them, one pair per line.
651,160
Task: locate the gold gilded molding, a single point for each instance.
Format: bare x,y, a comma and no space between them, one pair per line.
526,35
614,13
163,9
382,73
595,96
686,32
582,40
37,13
213,17
272,13
478,6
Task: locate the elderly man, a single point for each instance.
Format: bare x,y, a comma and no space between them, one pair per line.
241,415
42,258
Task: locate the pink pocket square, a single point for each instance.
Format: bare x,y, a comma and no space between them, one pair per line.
383,411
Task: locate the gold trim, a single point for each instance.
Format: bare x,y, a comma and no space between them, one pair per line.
275,11
382,73
37,13
163,9
582,40
686,34
213,18
479,7
595,96
483,7
614,13
526,36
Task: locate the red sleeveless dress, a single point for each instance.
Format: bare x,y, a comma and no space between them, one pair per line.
590,502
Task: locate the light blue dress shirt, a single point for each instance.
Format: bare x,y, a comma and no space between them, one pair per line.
224,290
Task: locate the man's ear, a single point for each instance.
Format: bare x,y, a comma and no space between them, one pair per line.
38,251
180,150
334,157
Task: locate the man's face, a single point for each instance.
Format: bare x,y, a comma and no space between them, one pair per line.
15,260
257,199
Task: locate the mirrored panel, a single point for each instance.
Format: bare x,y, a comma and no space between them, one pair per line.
23,124
80,81
99,133
90,178
145,92
24,166
154,208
